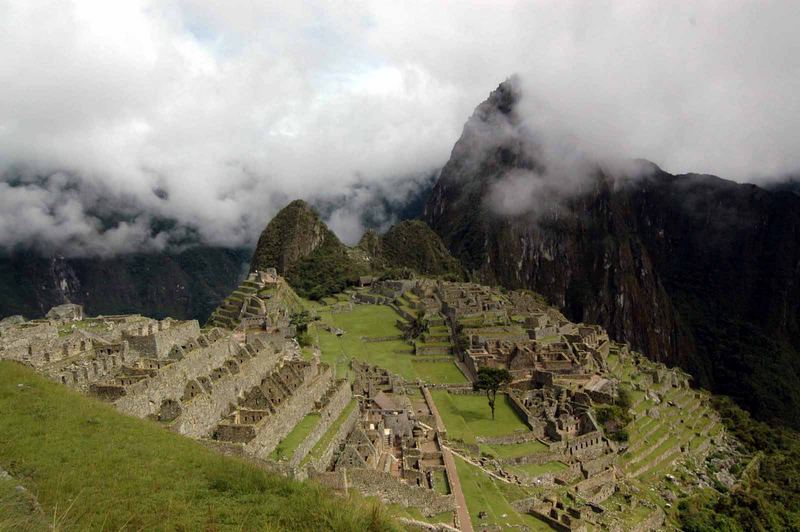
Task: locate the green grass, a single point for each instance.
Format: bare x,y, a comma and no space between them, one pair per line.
395,355
286,447
94,468
414,513
437,372
440,483
535,470
514,450
483,494
18,510
95,326
368,320
323,442
468,416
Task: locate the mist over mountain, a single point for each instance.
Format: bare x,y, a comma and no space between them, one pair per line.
214,116
691,269
124,260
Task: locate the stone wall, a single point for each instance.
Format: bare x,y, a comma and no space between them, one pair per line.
587,486
428,350
325,459
165,335
507,439
200,414
145,397
370,339
328,415
440,427
654,522
390,490
92,366
413,524
289,414
523,412
534,458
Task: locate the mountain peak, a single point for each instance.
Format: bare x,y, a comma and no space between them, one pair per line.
294,233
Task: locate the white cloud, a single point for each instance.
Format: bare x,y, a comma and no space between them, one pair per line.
232,108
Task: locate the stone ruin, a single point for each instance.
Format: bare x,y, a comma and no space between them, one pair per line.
389,452
65,313
255,305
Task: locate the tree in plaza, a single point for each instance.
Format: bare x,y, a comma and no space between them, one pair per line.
491,380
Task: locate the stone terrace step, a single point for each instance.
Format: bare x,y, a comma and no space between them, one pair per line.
653,469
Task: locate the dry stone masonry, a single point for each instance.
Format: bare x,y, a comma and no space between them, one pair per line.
604,429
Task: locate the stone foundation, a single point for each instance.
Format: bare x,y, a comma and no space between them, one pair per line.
201,413
281,423
328,415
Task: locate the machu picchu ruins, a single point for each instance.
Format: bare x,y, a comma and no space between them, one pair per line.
372,390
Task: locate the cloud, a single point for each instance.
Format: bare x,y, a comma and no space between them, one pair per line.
212,115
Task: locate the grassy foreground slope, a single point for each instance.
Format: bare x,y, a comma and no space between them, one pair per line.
92,468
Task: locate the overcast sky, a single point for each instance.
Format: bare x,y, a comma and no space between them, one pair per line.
216,113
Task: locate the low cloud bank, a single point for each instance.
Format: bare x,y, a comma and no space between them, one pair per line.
142,125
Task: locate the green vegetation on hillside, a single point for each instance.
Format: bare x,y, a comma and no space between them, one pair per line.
614,418
300,246
93,468
412,244
768,498
329,269
18,508
734,357
315,262
184,285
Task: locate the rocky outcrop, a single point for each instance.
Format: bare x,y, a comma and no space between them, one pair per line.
693,270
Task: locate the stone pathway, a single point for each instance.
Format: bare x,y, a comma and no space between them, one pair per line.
478,465
464,520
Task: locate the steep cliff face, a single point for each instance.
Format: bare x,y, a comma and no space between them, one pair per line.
693,270
182,285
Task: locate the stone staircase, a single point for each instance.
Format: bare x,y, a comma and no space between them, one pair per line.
233,308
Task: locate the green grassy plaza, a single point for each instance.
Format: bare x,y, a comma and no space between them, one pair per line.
468,416
373,321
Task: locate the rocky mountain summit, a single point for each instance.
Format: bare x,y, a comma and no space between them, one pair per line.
299,245
292,235
691,269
